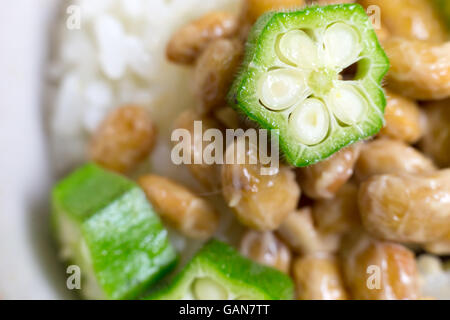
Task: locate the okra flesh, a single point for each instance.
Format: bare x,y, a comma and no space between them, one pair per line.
291,80
106,227
218,272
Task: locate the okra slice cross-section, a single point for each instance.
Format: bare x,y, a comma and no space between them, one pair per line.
218,272
107,228
293,79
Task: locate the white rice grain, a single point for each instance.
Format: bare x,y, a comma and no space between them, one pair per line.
118,57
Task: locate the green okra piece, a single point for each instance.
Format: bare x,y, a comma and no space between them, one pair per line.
443,6
106,226
219,272
291,80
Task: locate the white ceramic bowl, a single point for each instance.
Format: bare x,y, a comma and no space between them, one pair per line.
28,263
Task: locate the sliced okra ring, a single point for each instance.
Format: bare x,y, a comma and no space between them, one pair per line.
291,80
218,272
106,227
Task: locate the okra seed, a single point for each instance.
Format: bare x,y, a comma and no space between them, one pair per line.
208,289
342,45
282,88
347,104
298,48
310,121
